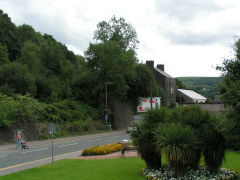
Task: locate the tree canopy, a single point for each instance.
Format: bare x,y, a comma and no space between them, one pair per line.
117,30
230,90
113,59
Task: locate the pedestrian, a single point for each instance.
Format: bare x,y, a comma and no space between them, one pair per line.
19,139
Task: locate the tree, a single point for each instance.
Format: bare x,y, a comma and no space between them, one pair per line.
179,84
117,30
3,54
111,63
30,55
27,33
230,91
144,84
113,58
15,78
230,83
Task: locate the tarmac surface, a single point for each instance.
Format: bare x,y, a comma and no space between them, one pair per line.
40,152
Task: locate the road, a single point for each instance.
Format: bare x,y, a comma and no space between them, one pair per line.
15,160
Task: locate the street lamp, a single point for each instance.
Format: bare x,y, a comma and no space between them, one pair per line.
107,83
106,115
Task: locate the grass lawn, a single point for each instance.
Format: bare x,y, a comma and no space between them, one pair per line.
106,169
71,169
232,161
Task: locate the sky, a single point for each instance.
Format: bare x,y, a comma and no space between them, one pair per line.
190,37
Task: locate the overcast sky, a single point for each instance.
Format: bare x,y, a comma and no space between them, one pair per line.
190,37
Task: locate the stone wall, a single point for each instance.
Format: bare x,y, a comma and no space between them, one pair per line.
213,108
29,131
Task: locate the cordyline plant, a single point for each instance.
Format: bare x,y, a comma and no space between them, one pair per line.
181,134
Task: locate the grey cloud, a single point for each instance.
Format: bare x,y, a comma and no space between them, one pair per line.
59,30
189,38
185,10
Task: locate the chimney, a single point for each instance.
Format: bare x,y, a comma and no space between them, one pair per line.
150,64
160,66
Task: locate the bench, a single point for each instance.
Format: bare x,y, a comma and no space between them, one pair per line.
128,148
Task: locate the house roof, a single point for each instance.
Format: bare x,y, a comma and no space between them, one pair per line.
192,94
163,73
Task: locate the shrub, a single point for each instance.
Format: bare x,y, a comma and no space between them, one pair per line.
144,138
213,148
182,134
102,150
179,143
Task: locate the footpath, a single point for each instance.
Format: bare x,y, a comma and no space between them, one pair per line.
12,146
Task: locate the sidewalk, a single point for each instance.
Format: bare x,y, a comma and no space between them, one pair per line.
48,141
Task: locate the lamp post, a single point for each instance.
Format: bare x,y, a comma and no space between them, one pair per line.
106,115
107,83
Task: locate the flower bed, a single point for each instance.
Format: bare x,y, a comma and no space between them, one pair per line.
202,173
101,150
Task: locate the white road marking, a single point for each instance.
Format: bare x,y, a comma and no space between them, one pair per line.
3,156
34,150
68,145
94,140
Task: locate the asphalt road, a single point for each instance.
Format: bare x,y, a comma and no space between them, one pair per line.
15,160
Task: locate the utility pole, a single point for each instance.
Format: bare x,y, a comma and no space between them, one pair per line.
106,92
106,115
151,95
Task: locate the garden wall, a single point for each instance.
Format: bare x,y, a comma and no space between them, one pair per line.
213,108
29,131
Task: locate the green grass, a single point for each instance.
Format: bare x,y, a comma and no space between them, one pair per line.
232,161
106,169
71,169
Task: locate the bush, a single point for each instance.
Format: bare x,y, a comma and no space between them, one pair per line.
179,143
71,117
182,134
144,138
213,148
102,150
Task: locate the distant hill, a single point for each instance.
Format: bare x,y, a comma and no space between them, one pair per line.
206,86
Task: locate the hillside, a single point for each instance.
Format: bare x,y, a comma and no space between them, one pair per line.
207,86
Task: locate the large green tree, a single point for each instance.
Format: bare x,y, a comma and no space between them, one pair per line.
113,58
230,90
117,30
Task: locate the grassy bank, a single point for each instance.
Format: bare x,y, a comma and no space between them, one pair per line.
107,169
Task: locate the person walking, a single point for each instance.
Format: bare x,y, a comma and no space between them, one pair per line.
19,139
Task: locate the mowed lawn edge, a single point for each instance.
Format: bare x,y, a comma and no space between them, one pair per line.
104,169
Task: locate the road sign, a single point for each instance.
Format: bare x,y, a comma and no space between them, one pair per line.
52,128
106,117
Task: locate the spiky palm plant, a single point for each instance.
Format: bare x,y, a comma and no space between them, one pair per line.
214,148
144,138
179,143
